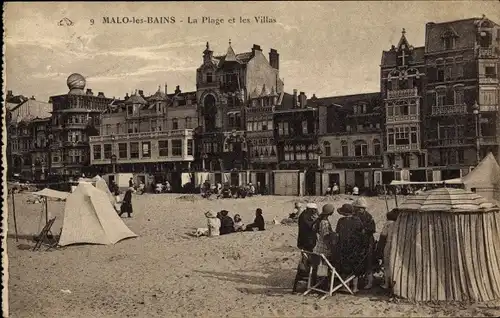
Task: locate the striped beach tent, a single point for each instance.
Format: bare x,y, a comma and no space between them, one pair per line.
446,246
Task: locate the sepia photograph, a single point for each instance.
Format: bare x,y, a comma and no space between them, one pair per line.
251,159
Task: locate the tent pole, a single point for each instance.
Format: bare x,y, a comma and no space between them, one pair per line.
46,211
14,213
385,198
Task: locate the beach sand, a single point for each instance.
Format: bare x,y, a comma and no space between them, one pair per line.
167,273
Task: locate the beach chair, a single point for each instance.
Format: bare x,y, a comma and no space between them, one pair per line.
46,237
325,273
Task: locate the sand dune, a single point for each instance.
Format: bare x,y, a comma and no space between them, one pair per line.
167,273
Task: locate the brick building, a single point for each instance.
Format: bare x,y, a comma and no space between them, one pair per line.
462,61
351,139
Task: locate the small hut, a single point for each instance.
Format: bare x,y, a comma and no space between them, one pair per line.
445,246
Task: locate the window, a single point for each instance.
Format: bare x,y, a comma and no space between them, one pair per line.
377,150
134,150
132,128
459,97
163,148
488,97
344,148
249,126
175,124
328,148
489,72
122,151
414,136
304,127
130,110
449,43
402,135
460,71
440,98
146,149
97,152
485,39
190,147
177,147
283,128
449,73
107,151
390,110
440,74
209,78
461,158
188,122
360,148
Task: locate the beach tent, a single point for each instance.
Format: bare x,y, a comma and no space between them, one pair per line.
89,217
103,186
445,247
485,178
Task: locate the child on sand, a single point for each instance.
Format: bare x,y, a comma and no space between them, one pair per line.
238,223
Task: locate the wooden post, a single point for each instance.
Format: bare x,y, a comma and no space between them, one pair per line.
396,197
385,198
14,213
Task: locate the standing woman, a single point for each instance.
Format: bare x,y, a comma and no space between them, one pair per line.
366,218
126,206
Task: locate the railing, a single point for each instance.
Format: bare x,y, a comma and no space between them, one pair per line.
145,135
398,118
489,140
454,142
371,158
449,110
400,148
399,93
491,79
486,52
488,108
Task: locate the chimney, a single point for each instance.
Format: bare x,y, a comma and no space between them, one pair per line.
89,91
177,89
141,93
165,88
255,48
302,100
100,94
295,100
274,59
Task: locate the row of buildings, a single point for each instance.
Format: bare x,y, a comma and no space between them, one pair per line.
437,113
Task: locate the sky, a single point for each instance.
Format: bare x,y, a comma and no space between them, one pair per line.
326,48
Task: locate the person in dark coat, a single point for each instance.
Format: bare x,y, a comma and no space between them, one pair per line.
360,209
227,223
307,236
258,221
126,206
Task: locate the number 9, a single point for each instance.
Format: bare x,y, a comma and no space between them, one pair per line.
91,21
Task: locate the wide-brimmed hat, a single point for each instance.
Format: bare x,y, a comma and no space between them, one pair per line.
224,212
346,209
328,209
210,214
360,203
312,206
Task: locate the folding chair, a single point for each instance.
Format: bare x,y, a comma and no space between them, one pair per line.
331,276
45,237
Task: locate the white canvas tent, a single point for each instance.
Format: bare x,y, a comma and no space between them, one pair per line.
485,178
101,184
89,217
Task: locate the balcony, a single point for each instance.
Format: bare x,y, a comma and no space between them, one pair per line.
486,52
403,148
489,140
488,108
446,110
451,143
145,135
350,159
402,118
488,79
402,93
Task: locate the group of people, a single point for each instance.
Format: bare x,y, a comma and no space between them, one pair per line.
221,224
227,191
351,247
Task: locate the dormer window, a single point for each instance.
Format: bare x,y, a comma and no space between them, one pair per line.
449,43
209,77
485,39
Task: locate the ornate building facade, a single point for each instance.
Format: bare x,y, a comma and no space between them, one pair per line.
402,85
150,135
462,94
351,139
74,119
225,85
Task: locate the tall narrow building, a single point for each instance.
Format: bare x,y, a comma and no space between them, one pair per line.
462,93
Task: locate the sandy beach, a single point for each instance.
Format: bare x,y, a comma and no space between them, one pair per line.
167,273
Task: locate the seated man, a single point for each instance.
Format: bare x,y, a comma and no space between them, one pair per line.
227,223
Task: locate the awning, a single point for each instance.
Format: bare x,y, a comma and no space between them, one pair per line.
451,181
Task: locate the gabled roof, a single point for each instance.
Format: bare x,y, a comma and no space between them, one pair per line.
242,58
230,56
136,99
389,58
